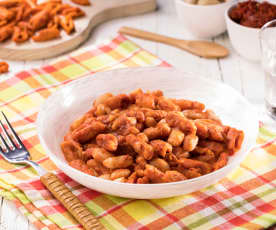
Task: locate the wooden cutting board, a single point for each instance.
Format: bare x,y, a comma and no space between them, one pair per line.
99,12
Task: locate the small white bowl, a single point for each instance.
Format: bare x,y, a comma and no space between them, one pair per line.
76,98
245,40
203,21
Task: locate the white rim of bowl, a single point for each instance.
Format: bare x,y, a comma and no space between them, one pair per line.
234,163
196,5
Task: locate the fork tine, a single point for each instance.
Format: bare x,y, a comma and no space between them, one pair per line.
7,135
5,143
12,130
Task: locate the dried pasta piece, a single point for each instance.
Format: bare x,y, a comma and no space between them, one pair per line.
81,2
9,3
46,35
18,12
119,162
6,32
39,20
6,14
67,24
3,22
38,17
74,12
27,12
54,22
4,67
31,3
54,9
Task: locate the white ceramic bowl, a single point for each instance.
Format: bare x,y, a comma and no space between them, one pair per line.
244,39
203,21
74,99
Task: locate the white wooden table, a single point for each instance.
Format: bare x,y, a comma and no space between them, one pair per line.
244,76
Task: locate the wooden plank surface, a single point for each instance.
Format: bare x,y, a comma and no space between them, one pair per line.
244,76
100,11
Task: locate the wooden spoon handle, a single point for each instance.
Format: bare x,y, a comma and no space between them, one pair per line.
148,35
71,202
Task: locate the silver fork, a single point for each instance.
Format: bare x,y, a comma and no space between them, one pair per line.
14,151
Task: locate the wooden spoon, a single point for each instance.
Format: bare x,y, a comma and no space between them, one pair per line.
200,48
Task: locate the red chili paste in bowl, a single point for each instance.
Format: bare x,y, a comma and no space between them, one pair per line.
253,14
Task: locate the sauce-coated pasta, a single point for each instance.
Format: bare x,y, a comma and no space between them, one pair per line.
149,138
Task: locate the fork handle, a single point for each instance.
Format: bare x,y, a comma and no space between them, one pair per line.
71,202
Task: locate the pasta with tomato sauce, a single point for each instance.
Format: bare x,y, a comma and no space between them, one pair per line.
145,137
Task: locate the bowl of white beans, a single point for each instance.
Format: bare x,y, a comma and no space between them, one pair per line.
203,18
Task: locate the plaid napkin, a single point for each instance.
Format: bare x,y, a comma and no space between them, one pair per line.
245,199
